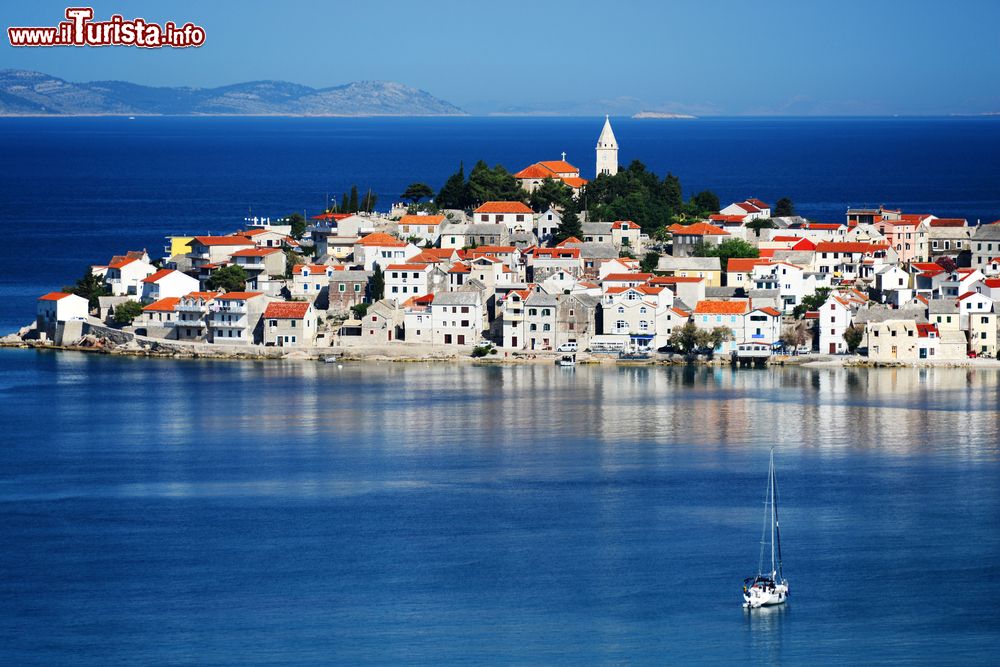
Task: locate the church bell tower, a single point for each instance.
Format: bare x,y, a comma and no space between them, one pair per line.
607,150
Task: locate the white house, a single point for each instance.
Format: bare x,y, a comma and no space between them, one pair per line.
124,276
835,316
289,324
382,249
167,283
512,214
403,281
60,307
711,313
422,228
310,281
457,318
235,318
750,209
970,303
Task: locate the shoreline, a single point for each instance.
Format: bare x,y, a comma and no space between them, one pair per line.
406,354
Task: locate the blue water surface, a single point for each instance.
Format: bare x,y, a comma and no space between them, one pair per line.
74,191
186,512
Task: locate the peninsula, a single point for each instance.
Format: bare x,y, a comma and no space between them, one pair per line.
510,266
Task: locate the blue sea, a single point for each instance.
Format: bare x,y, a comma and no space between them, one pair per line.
74,191
185,512
210,512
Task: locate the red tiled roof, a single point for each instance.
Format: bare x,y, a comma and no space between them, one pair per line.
117,263
848,246
559,166
804,245
493,250
758,203
381,240
223,240
503,207
557,253
700,229
535,171
238,296
167,305
574,181
674,280
770,311
458,267
406,267
54,296
744,264
432,220
949,222
287,310
313,268
205,296
618,277
924,330
624,224
256,252
162,273
707,307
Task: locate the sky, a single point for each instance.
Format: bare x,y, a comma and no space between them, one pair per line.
703,57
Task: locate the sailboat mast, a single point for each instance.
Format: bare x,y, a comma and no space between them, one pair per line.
777,525
770,484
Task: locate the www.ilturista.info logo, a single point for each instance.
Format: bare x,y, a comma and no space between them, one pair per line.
81,30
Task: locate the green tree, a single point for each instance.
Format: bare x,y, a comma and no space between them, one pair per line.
377,283
634,193
125,313
853,335
796,336
90,287
783,207
230,278
811,302
728,249
352,204
368,201
298,224
649,262
550,192
570,225
672,192
455,191
718,336
417,191
760,223
685,338
360,310
706,202
344,204
496,184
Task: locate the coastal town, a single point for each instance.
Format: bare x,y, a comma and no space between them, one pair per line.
535,277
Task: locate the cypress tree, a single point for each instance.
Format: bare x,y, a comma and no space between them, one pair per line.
353,204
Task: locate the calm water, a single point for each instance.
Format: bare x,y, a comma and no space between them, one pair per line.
209,512
74,191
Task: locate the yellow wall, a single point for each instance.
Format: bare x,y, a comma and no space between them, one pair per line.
712,278
179,245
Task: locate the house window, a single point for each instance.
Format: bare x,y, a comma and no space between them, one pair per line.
571,313
643,325
621,324
465,309
357,288
274,323
342,288
642,310
621,309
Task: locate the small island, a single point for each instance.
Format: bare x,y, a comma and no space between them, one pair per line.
662,115
502,266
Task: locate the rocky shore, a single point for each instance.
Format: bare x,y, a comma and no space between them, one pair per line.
140,346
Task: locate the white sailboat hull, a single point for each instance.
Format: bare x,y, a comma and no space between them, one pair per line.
757,596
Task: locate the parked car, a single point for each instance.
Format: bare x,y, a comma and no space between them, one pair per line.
568,347
666,349
972,354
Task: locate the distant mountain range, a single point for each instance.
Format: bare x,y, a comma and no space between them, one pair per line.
27,93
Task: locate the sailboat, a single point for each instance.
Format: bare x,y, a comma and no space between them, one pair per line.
768,587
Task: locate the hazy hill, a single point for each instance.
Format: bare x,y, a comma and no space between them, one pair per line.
24,92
